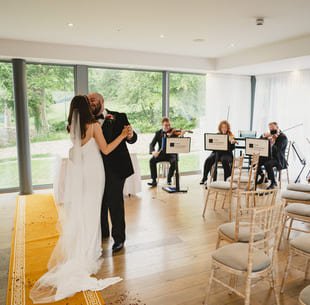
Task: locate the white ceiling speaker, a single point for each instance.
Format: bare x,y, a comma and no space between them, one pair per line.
260,21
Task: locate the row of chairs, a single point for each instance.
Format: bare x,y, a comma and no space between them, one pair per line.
297,209
255,235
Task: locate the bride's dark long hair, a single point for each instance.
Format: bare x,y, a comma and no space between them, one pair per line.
80,103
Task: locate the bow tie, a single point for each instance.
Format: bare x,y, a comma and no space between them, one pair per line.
100,116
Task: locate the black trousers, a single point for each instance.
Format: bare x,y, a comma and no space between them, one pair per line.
113,202
163,157
269,165
226,160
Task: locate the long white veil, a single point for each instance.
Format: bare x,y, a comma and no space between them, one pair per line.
71,265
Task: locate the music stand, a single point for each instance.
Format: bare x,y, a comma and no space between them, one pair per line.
216,142
257,146
177,146
301,159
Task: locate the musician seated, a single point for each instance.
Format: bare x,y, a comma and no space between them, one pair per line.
226,157
276,159
159,155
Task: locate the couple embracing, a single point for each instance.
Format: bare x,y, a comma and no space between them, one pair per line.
99,163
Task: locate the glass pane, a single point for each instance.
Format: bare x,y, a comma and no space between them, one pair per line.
8,153
50,90
187,111
137,93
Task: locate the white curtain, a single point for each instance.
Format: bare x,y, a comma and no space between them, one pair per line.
285,98
228,97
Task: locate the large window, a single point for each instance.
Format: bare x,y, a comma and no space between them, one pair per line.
187,111
137,93
50,90
8,156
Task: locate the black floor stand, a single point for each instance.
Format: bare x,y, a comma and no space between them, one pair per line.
176,188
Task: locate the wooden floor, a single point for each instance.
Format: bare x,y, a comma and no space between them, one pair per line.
167,256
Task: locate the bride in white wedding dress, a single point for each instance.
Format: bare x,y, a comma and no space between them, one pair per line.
77,255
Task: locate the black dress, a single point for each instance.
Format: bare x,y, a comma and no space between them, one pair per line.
226,158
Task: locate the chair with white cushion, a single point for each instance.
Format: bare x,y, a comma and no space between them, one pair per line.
297,208
239,229
299,187
299,246
304,296
255,260
225,188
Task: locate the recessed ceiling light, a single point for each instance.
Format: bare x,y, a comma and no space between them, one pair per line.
70,25
232,45
198,40
162,36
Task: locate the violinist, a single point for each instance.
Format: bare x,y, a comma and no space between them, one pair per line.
226,157
278,143
160,155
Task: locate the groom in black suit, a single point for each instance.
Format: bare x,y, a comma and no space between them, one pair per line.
117,166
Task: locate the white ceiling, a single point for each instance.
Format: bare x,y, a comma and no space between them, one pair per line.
138,24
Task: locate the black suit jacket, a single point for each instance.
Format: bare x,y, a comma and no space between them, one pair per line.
278,150
159,134
118,160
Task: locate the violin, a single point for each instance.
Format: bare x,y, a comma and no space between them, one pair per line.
173,132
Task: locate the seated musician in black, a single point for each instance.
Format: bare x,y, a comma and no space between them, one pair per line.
159,155
226,157
276,159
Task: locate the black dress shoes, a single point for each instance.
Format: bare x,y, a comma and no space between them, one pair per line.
202,182
272,186
117,247
152,184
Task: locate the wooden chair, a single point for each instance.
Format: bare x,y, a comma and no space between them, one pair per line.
299,187
297,208
287,155
254,260
225,188
299,246
162,169
248,182
238,230
304,296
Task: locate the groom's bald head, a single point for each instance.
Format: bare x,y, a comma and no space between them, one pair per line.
96,102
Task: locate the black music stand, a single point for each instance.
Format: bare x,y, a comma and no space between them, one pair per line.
308,174
177,146
217,143
301,159
257,146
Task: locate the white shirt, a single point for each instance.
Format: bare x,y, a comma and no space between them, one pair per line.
104,113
